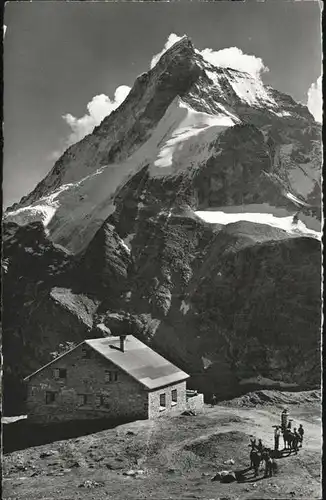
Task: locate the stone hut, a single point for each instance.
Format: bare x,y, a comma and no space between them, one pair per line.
112,377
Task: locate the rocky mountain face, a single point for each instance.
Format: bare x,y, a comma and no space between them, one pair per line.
173,221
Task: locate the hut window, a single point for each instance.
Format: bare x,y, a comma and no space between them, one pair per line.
83,399
100,400
174,395
86,353
60,373
50,397
111,376
162,401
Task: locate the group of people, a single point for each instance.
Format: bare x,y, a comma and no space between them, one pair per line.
292,441
259,453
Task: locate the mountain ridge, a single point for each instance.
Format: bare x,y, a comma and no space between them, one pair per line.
181,49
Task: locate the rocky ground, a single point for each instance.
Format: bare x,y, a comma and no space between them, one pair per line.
175,458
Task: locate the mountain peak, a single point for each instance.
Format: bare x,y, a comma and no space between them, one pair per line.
183,47
184,41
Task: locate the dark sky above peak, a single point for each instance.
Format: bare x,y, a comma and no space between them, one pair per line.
59,55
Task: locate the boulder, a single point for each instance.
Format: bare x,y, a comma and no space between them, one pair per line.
130,473
50,453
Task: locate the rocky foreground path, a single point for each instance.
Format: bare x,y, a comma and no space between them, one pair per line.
174,458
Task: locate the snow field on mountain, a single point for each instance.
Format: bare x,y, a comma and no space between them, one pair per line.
23,216
248,89
296,200
282,113
74,212
285,222
42,212
187,142
252,91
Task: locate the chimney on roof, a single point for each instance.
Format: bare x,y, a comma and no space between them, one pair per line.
122,343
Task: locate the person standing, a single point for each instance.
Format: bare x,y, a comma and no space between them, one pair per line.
296,440
255,459
268,463
260,446
253,451
277,434
285,436
214,400
284,419
301,433
289,426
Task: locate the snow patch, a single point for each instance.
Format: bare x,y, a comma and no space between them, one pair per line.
187,141
60,247
29,250
265,208
11,420
285,223
248,89
124,244
282,113
296,200
25,215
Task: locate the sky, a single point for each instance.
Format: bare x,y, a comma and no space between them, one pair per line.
69,64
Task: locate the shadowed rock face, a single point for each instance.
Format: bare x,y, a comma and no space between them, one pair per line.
225,302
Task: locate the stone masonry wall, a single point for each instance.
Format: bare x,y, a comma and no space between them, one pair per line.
154,408
196,403
123,398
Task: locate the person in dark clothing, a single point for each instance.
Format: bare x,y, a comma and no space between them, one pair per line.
253,452
296,440
214,400
260,446
301,433
268,463
290,438
289,427
255,459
